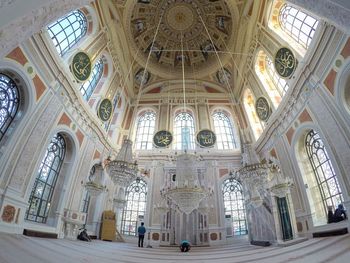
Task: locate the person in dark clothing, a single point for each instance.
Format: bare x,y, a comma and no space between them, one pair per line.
330,216
339,214
141,230
185,246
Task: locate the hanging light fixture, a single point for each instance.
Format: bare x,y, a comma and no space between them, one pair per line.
123,170
189,189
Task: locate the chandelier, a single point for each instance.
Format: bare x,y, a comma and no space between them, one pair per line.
187,191
123,170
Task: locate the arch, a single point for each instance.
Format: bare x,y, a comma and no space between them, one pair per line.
342,88
135,210
58,196
275,86
225,130
68,30
249,105
45,182
146,123
234,205
9,101
184,129
319,171
26,94
293,25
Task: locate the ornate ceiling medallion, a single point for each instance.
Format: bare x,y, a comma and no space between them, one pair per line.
204,27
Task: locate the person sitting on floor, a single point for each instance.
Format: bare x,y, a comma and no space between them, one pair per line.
330,215
185,246
339,214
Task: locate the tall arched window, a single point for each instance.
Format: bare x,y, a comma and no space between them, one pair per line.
134,212
297,24
67,31
249,104
44,186
89,86
9,101
145,130
275,86
323,170
184,131
234,206
226,138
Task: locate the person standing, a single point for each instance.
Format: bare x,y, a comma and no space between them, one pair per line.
141,230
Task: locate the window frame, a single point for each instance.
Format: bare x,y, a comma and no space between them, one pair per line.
178,131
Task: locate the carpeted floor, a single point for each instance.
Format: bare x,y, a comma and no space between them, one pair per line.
23,249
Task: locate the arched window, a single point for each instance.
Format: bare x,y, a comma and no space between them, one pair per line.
89,86
184,131
67,31
297,24
234,206
226,138
323,170
134,212
9,101
275,86
44,186
145,130
249,104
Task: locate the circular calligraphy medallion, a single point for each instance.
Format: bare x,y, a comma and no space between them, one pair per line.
81,66
206,138
162,139
105,109
262,108
285,62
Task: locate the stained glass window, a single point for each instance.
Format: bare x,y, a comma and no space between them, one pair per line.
234,205
145,130
299,25
9,101
134,212
184,131
67,31
226,138
44,186
323,170
89,86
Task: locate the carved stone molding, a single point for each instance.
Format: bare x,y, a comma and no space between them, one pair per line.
24,27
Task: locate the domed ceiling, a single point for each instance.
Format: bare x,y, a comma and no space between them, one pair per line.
199,26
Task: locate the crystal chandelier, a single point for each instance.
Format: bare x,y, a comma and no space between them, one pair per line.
123,170
187,191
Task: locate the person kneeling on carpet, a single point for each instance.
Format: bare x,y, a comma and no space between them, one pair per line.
185,246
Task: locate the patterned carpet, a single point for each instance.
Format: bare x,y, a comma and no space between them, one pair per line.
23,249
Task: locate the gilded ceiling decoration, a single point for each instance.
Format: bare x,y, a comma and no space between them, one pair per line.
199,26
